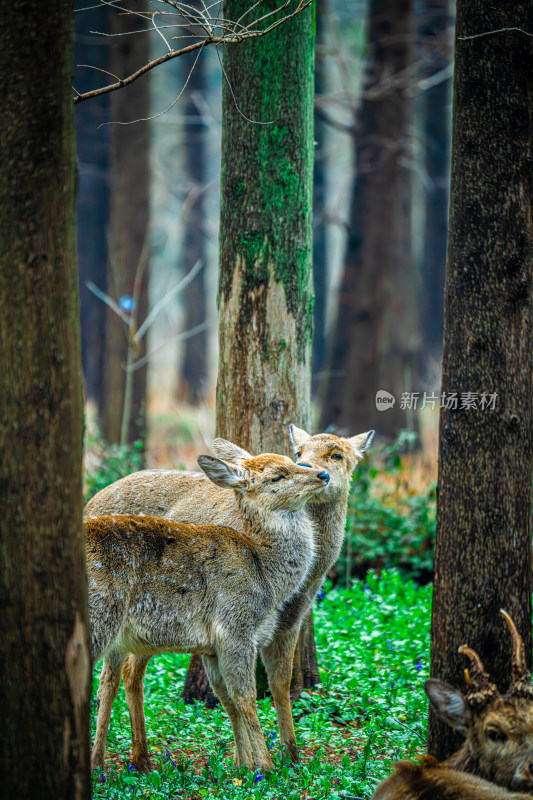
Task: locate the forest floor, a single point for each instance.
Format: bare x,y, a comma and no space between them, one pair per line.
370,711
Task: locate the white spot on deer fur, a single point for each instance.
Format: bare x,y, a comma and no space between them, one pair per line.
97,564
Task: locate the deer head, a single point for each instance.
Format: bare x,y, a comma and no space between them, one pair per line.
498,728
270,482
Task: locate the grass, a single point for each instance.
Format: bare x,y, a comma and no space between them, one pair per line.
373,645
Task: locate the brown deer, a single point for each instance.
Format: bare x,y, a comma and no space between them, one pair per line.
191,497
498,748
159,586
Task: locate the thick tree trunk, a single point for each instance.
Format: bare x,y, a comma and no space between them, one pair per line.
194,367
93,194
265,286
44,645
436,123
483,555
129,222
376,337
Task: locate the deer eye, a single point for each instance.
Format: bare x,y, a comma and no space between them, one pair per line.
338,456
279,478
496,736
298,454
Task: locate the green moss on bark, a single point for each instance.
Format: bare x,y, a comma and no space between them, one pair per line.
267,170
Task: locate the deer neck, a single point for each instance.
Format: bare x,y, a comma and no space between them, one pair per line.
464,761
329,519
285,545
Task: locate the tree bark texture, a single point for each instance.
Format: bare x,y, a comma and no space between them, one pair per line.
320,250
194,367
483,553
376,338
265,280
44,643
92,208
435,33
128,270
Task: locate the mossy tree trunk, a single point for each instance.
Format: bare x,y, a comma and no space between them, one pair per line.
375,342
483,555
265,283
128,270
44,642
320,238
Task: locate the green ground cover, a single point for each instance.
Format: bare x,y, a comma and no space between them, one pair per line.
373,645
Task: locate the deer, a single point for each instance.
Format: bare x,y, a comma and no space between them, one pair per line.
190,497
160,586
496,758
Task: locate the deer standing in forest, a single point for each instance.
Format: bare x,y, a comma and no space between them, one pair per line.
159,586
496,759
190,497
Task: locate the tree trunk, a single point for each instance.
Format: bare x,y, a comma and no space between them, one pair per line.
376,342
483,554
265,284
320,254
92,206
436,123
44,642
194,367
129,224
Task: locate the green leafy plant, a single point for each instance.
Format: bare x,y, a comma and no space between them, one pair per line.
107,463
388,527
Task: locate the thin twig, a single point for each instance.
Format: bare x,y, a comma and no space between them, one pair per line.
179,337
148,322
491,33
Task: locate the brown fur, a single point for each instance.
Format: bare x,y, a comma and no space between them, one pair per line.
508,762
158,586
430,780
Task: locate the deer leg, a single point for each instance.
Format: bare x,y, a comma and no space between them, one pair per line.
243,750
238,672
107,691
133,671
278,657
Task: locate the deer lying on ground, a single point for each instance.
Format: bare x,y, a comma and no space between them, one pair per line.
190,497
498,749
159,586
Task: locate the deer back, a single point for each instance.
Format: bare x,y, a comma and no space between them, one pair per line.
430,780
157,586
170,494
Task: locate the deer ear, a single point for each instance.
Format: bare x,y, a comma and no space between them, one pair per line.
222,448
362,442
448,703
223,474
297,437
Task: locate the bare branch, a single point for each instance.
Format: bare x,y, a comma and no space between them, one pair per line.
213,30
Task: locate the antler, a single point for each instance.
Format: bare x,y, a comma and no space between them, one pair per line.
480,689
521,684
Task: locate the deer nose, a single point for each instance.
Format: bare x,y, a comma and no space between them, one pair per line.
324,476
